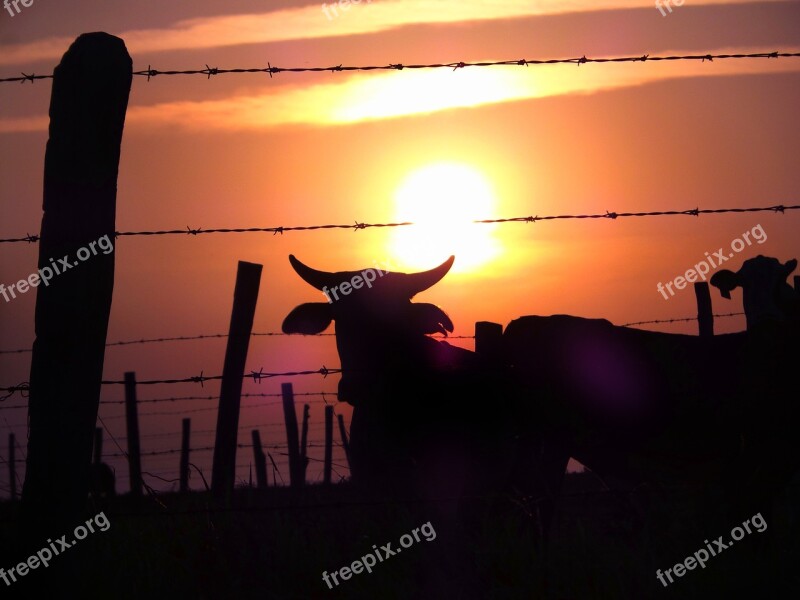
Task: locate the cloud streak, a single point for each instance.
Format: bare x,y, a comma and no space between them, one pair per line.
310,22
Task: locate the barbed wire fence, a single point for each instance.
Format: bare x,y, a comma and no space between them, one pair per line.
356,226
257,376
210,72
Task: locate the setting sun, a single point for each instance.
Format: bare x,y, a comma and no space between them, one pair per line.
443,200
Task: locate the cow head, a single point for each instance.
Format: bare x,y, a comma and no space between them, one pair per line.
379,331
727,280
766,291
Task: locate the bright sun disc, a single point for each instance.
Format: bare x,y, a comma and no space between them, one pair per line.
443,200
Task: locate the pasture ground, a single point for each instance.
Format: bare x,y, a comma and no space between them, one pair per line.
276,543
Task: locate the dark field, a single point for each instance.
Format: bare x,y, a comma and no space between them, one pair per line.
276,544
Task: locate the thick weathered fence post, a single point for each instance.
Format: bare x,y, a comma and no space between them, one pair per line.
705,316
328,444
304,440
12,469
290,417
345,442
260,460
184,466
245,298
75,281
132,424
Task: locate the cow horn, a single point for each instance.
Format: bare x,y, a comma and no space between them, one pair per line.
317,279
410,283
419,282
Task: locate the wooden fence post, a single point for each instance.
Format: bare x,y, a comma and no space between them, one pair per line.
98,445
345,442
12,469
304,440
328,444
705,316
489,340
245,298
290,417
260,460
89,100
132,420
184,466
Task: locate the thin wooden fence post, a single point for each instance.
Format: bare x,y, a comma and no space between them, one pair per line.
184,465
75,279
132,420
345,442
328,444
245,298
290,417
98,445
705,316
260,460
304,440
12,470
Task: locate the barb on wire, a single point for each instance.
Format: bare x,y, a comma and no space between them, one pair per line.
23,389
150,72
359,225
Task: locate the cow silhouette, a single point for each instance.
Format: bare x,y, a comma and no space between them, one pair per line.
767,296
641,406
418,423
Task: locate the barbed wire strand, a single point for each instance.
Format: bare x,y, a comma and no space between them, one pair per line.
681,320
187,398
209,72
184,338
225,335
256,376
356,226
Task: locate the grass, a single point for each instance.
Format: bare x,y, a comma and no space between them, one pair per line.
277,543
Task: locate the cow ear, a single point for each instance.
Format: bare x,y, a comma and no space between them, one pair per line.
726,281
430,318
790,266
310,318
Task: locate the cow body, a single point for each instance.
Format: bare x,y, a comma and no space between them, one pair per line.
664,408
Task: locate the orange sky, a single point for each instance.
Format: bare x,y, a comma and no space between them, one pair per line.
301,149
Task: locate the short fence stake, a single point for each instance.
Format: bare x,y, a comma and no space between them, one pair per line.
304,440
705,316
290,417
260,460
184,466
12,471
132,419
489,340
245,297
328,444
345,442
